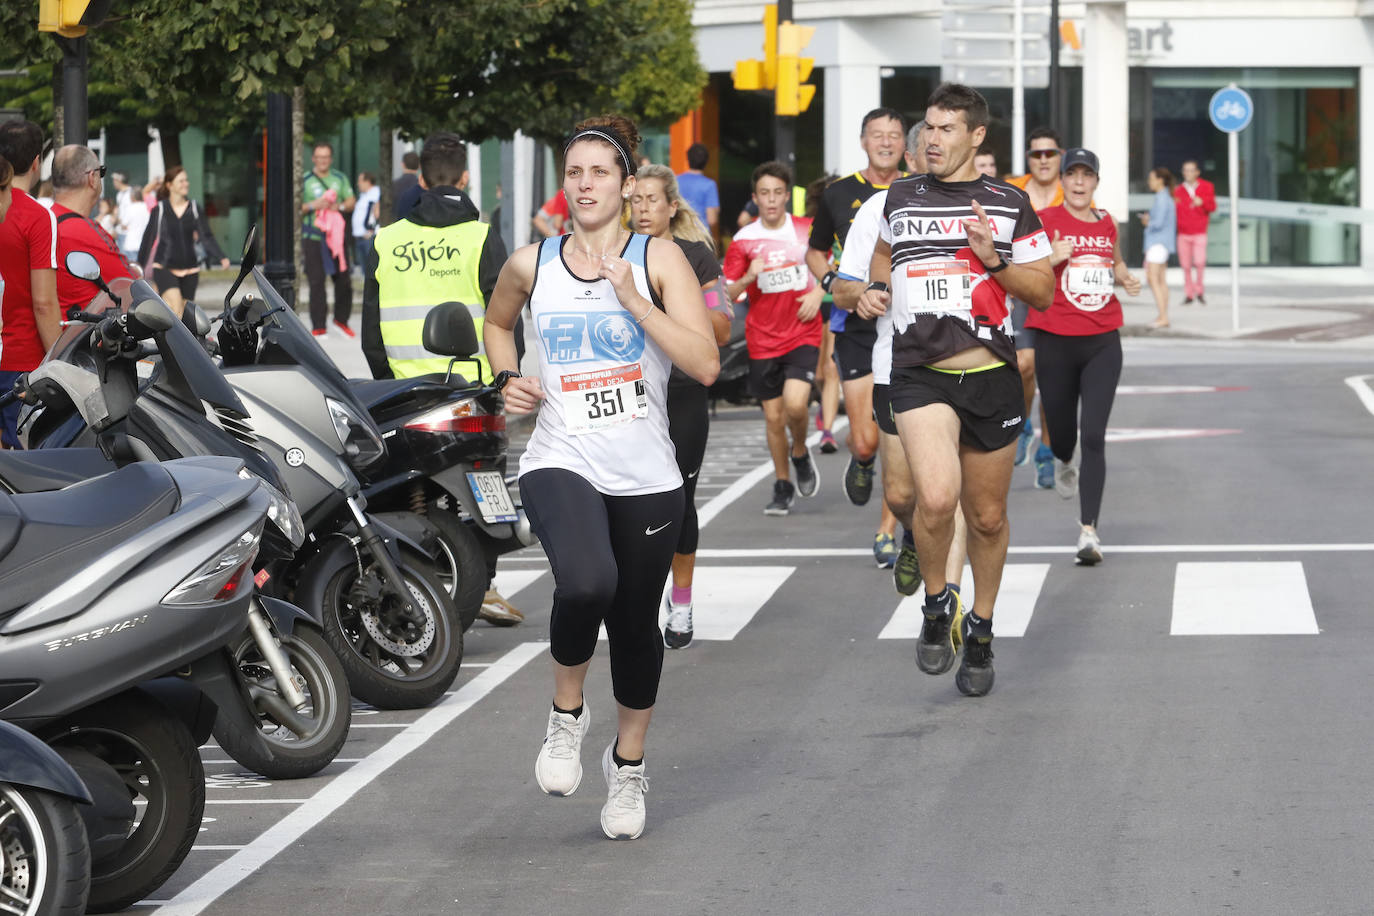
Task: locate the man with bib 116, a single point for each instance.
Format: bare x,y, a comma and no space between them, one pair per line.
782,328
953,245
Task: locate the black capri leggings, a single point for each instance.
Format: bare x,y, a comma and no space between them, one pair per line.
689,420
1070,371
610,557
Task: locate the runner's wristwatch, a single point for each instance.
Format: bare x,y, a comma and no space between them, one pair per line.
999,266
879,285
502,377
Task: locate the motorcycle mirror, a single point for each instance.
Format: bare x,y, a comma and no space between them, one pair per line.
196,320
84,265
250,257
449,331
153,315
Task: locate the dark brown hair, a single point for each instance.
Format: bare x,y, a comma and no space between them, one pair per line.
621,129
770,169
164,191
1163,174
6,173
958,97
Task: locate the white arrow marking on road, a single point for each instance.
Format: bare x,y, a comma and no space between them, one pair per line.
1360,385
1140,434
1021,585
1242,599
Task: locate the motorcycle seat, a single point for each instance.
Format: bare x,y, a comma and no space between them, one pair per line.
51,469
373,393
44,537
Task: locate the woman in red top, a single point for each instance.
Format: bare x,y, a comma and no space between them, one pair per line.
1077,344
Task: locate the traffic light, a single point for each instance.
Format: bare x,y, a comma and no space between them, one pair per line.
71,18
761,74
793,94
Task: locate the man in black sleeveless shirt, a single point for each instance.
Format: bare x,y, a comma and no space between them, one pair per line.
954,245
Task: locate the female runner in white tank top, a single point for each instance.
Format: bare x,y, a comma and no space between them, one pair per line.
612,310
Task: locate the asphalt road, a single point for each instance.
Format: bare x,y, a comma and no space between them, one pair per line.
1176,731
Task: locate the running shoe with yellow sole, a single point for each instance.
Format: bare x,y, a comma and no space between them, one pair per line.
884,550
941,634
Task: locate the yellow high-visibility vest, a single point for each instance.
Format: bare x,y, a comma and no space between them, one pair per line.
418,267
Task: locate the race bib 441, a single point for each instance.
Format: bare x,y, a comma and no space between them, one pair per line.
603,399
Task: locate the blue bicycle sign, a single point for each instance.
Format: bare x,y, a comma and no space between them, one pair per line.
1231,109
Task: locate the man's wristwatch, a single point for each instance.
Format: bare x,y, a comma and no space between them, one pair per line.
502,377
828,279
879,285
999,266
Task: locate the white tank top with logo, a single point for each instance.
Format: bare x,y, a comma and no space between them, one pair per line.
605,381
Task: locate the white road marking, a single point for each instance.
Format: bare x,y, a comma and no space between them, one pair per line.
1177,389
225,876
748,553
509,582
1142,434
1021,585
216,848
726,598
721,501
256,801
1242,599
1360,385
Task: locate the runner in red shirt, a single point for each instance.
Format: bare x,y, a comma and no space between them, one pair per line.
77,178
767,259
1077,344
29,317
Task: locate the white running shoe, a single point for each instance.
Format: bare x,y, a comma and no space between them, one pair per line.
677,632
1089,546
622,817
558,769
1066,476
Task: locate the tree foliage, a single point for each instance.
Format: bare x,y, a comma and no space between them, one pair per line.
482,68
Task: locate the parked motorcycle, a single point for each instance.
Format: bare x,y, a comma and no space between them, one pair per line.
289,679
45,858
107,585
446,459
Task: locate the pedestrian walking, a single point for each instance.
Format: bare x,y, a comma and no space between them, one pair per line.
131,215
1078,342
30,319
1160,234
1196,201
365,214
327,197
175,228
782,329
614,310
658,209
699,189
405,188
955,392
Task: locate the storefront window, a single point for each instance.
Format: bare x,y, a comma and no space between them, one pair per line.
1301,148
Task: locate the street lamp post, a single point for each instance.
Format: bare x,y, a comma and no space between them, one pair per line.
280,267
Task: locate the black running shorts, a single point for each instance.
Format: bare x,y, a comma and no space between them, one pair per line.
882,409
766,376
854,353
989,404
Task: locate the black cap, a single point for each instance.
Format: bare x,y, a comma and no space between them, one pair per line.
1079,156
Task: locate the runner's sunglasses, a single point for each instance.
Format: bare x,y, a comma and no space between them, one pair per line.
1043,153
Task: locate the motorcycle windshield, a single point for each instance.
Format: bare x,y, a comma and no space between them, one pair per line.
188,371
286,340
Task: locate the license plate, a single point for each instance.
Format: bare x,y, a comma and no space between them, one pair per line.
493,499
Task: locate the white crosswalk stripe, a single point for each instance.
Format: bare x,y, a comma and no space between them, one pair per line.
1209,598
1021,584
1242,599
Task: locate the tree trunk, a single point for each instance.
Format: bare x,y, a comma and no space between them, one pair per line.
169,133
297,180
58,112
385,168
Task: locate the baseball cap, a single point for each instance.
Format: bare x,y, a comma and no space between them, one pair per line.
1079,156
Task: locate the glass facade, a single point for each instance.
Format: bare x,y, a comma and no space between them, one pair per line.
1301,147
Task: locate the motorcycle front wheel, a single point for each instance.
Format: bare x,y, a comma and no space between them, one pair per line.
45,861
291,743
392,662
159,768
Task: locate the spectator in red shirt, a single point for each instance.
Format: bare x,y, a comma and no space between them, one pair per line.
552,217
77,180
1196,200
30,320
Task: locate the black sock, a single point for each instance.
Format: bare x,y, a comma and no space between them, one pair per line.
939,602
908,539
621,761
575,713
978,624
866,464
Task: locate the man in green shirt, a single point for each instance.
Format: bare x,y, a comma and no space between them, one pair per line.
322,227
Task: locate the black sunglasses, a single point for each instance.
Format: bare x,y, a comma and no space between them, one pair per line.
1042,153
101,170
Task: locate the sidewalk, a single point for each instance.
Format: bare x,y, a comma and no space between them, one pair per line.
1303,305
